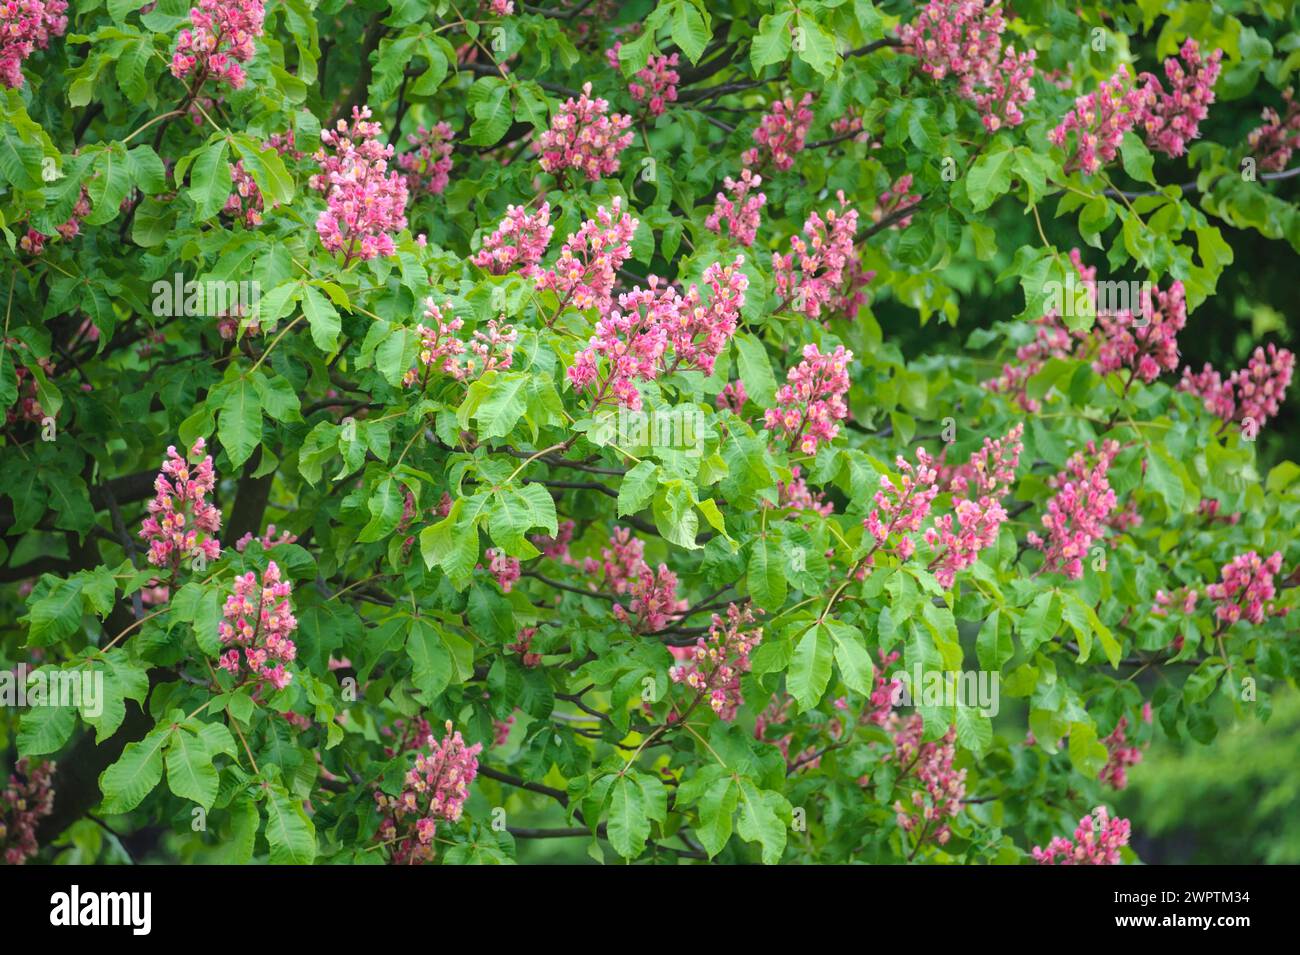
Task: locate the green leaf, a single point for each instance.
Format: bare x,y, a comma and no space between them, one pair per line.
322,317
1040,621
239,422
761,821
990,177
852,657
210,180
628,825
772,42
430,661
810,670
44,729
136,773
190,773
815,46
1137,159
289,830
766,575
755,370
689,31
637,487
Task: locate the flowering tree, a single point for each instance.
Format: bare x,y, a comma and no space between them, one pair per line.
431,429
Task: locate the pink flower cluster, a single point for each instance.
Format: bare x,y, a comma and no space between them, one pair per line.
490,349
1246,587
24,802
635,340
1100,119
1097,841
504,568
1175,117
267,540
1120,756
781,134
364,202
258,617
655,83
742,211
244,204
902,508
33,242
732,397
524,647
583,276
519,242
811,401
435,789
653,595
963,39
941,789
181,522
1274,141
1076,515
979,513
1253,394
428,166
822,271
1147,342
797,496
27,26
714,666
219,38
585,137
898,199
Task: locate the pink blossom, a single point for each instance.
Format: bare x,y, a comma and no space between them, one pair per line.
1076,515
1120,756
781,134
504,568
714,666
267,540
434,790
258,618
940,788
519,242
1273,142
903,507
25,27
1245,588
1100,119
583,276
1097,841
220,37
742,211
364,201
24,802
523,647
811,401
1175,117
732,397
1146,343
822,271
1253,394
655,83
181,523
491,348
427,167
585,137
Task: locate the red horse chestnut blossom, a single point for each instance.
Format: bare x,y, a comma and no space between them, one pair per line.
182,524
1279,136
1100,119
781,134
655,84
940,788
1175,117
220,37
434,791
1253,394
1097,841
903,507
714,665
811,401
518,243
1120,756
1076,516
27,26
428,166
583,276
364,201
24,802
258,619
1246,587
583,136
741,211
822,272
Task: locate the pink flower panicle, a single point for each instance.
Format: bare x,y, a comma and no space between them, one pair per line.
518,243
898,199
585,137
267,540
583,275
938,796
258,618
434,790
979,512
732,397
1253,394
557,547
1245,588
364,201
1274,142
811,401
653,602
963,39
822,270
714,666
33,242
655,84
1174,119
220,37
1120,756
1097,841
742,211
1146,343
797,496
1076,516
523,647
902,508
781,134
504,568
428,165
1100,119
650,325
489,349
25,27
182,523
24,802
